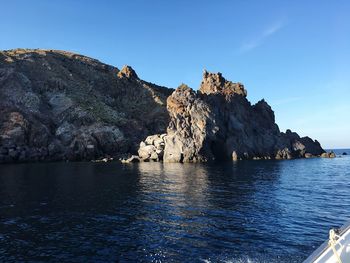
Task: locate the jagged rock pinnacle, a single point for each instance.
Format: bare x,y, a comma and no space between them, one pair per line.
216,83
128,72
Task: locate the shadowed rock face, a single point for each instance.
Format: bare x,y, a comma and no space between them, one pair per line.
219,123
57,105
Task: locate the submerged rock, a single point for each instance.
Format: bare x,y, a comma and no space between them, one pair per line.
219,123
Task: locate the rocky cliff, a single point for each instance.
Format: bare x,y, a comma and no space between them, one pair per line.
219,123
57,105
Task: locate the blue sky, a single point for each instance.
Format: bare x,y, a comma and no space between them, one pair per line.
295,54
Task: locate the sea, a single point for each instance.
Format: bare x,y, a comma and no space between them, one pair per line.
246,211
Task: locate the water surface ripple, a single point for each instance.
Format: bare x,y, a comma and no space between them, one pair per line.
250,211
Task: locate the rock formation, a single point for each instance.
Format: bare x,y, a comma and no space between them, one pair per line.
330,154
152,149
219,123
56,105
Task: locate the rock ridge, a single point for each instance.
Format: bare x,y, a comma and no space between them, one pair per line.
58,105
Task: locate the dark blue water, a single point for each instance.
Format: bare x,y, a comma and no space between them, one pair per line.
250,211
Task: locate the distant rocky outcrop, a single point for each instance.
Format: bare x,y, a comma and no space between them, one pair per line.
56,105
219,123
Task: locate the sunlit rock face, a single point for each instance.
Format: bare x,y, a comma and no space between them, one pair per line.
219,123
215,83
57,105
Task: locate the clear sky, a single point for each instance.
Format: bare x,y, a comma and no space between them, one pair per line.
295,54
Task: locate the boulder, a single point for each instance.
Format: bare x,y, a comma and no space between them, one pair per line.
152,149
146,152
330,154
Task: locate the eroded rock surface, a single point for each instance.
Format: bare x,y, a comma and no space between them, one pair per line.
56,105
152,149
219,123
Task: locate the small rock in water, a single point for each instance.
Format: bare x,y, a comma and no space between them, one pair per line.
328,155
132,159
103,160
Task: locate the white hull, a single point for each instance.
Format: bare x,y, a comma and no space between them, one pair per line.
335,251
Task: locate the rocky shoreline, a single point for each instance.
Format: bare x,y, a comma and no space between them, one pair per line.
60,106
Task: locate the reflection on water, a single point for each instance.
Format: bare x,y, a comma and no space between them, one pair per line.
178,184
264,211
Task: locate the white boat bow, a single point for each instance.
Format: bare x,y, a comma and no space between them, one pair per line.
335,250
